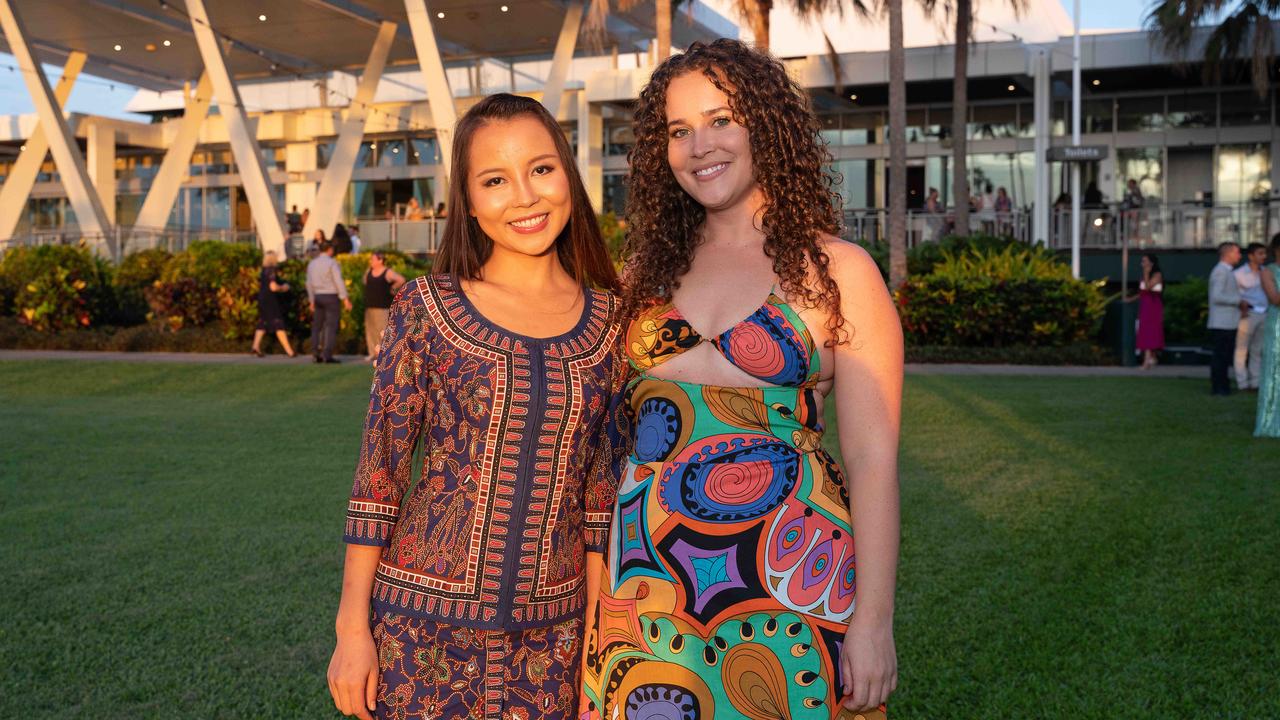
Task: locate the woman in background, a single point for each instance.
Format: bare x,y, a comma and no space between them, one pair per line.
1150,311
270,317
380,286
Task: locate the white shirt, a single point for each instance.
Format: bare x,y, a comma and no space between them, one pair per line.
1251,291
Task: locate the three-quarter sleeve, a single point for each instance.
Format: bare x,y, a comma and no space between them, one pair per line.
396,408
611,447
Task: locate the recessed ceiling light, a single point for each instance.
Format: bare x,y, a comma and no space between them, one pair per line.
395,150
1096,83
853,97
23,148
118,48
262,18
504,8
1012,88
440,15
167,43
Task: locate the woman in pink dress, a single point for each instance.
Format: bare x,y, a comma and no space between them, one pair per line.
1150,311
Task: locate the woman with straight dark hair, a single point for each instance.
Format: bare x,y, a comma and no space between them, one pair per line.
463,596
729,584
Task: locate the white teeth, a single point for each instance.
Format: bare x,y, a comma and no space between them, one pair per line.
530,222
710,170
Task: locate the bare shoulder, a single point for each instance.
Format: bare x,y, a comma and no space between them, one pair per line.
851,266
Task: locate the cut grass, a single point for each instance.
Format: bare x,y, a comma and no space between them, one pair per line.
1081,548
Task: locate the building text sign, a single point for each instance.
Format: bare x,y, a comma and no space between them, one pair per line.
1078,153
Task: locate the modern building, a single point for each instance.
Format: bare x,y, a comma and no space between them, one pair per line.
331,106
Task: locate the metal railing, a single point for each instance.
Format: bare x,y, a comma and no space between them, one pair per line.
871,225
417,237
122,241
1168,226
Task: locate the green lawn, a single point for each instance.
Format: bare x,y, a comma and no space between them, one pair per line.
1092,548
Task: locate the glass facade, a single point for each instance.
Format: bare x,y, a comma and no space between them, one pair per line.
1243,174
1146,165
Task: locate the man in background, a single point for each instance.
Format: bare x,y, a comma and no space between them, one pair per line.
1249,332
1225,310
325,289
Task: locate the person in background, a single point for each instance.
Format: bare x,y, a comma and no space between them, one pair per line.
987,209
441,213
1225,310
380,286
1092,195
306,215
934,219
325,289
413,211
1131,208
1150,311
270,317
1268,420
355,238
318,239
1004,206
1249,331
294,220
341,240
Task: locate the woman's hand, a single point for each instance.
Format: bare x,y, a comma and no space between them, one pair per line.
353,673
868,664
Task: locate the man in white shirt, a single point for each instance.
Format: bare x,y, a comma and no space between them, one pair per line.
1225,310
325,291
1249,332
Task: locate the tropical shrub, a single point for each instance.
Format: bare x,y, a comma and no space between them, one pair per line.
614,230
137,272
56,287
1017,296
207,281
238,304
1186,310
922,258
211,262
182,303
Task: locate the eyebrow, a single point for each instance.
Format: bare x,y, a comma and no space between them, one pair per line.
705,113
544,156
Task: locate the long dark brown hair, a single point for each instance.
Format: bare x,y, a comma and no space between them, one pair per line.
465,247
789,160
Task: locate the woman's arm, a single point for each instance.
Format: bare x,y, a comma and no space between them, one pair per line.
1269,286
355,659
868,396
395,278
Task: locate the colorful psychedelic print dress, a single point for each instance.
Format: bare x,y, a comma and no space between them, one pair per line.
729,570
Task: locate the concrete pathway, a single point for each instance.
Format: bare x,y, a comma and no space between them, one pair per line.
1170,371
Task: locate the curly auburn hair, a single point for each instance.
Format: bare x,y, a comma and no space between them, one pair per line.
789,159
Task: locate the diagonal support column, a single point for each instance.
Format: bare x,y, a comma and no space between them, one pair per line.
333,186
100,142
22,176
66,154
168,181
563,58
244,144
440,97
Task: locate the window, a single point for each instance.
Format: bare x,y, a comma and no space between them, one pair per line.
1193,110
1140,114
857,182
1015,172
1243,107
860,128
426,151
1096,117
993,121
830,129
1243,173
1146,165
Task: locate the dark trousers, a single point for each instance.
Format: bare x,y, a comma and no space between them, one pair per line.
1224,347
324,326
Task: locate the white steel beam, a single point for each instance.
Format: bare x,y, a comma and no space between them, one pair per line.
177,159
439,94
591,149
244,144
66,154
101,144
16,188
563,58
1040,206
333,185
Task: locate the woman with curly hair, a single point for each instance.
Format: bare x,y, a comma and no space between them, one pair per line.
729,582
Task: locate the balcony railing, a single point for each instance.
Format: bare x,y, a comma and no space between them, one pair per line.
1164,226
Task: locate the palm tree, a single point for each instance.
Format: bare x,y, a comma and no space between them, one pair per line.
963,10
1246,23
897,147
598,12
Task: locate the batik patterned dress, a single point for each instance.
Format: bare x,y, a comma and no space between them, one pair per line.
729,571
478,597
